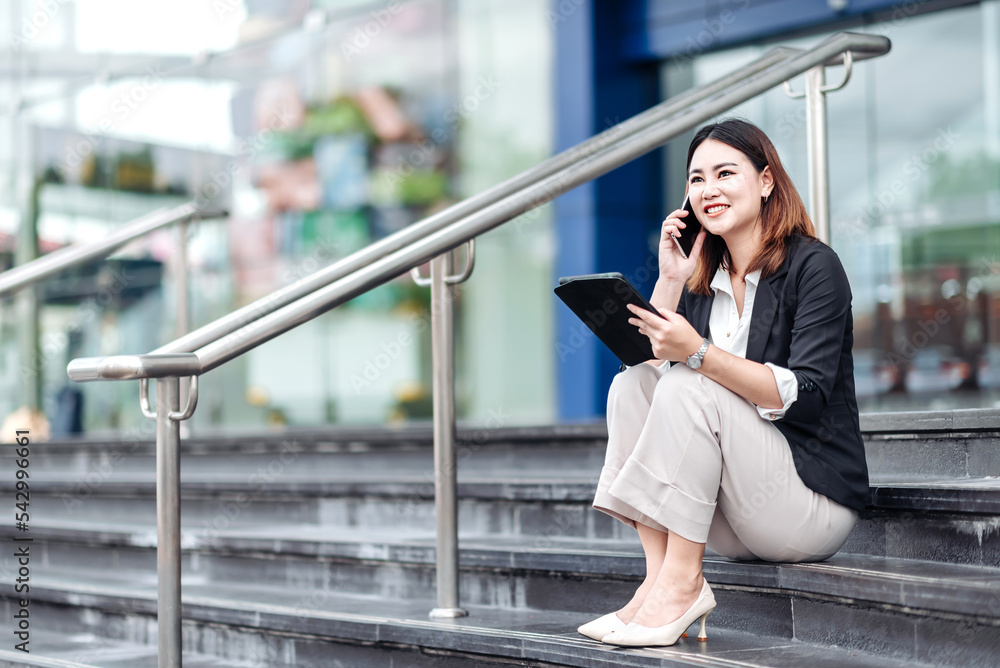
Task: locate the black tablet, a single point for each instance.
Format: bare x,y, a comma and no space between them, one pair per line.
599,301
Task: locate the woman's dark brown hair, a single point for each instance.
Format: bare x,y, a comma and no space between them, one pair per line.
781,216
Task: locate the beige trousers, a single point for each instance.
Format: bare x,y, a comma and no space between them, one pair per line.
687,455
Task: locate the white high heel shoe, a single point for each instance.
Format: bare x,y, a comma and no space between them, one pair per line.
602,626
636,635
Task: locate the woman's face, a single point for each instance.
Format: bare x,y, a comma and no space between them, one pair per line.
725,190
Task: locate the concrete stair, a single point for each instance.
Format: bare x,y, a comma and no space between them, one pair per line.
317,549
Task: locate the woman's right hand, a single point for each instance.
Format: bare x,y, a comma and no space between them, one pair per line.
674,267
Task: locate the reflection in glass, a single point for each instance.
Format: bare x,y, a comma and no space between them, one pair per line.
915,192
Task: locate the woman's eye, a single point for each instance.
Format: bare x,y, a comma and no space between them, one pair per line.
725,172
695,179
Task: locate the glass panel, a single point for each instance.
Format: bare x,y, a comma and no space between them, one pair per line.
322,126
915,193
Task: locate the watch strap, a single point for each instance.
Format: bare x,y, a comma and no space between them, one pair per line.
694,361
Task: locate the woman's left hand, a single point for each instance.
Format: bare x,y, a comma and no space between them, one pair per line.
672,336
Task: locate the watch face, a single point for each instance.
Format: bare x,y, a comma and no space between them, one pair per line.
695,360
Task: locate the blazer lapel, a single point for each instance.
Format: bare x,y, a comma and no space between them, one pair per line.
702,312
765,308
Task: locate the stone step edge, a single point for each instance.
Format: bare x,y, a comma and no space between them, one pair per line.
945,589
932,495
38,661
940,421
334,439
442,636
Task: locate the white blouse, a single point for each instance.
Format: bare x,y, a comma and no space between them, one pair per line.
730,332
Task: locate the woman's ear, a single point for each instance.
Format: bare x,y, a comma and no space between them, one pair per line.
766,181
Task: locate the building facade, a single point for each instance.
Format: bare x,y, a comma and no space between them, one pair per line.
324,126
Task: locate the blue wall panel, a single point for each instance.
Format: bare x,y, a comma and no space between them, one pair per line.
604,225
574,212
659,29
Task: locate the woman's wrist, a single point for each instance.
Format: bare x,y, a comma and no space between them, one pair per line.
670,281
664,299
666,294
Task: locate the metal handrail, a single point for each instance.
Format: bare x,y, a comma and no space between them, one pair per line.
52,263
218,343
398,240
379,264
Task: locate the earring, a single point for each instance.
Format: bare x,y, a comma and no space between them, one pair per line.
765,197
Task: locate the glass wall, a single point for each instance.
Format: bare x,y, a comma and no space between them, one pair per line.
915,193
322,127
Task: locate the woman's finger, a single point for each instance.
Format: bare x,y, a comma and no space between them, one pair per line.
673,224
643,315
699,241
636,310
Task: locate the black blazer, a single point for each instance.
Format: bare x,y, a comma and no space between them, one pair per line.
802,321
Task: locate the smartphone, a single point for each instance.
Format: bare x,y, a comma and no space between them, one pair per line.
686,240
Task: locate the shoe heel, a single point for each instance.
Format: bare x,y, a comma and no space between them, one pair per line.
701,634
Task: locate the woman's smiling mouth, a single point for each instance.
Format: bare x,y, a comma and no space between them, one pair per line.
715,208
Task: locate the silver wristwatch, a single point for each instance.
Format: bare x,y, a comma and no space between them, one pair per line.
695,360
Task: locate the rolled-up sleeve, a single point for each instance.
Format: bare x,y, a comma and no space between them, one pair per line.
788,390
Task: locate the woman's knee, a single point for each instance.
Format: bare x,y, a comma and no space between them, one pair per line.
677,382
641,379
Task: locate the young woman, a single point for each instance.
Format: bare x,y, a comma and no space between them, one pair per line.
743,433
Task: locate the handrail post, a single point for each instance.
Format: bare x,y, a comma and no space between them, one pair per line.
183,310
817,145
168,522
445,473
183,324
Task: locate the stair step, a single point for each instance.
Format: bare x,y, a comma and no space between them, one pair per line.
86,650
935,444
309,545
501,570
276,627
940,520
958,495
